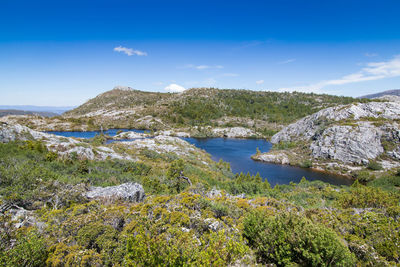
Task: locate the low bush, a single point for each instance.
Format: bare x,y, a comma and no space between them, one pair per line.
288,239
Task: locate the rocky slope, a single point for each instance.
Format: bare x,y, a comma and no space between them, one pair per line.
349,135
83,149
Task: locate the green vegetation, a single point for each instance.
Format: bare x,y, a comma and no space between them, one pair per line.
263,111
375,166
287,239
180,223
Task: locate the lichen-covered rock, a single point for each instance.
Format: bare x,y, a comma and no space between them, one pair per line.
350,144
128,191
234,132
308,127
130,135
352,134
213,193
213,224
278,158
163,144
177,133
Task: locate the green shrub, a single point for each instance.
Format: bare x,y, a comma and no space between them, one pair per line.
288,239
28,250
306,164
174,172
364,177
360,196
375,166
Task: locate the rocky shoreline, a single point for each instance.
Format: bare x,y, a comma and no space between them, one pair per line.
342,140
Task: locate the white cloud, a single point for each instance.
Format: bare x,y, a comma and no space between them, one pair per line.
287,61
173,87
373,71
260,82
129,51
203,67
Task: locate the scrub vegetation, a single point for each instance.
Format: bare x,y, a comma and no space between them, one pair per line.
220,219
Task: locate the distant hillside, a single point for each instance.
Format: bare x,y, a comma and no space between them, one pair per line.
202,106
5,112
395,92
28,108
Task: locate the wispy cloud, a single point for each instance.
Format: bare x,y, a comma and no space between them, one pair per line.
373,71
203,67
129,51
287,61
260,82
371,54
173,87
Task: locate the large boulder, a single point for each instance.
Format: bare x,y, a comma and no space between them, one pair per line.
128,191
349,144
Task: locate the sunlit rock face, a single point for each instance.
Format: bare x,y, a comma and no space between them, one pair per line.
127,191
353,133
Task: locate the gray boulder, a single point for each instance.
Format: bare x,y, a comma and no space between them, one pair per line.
128,191
349,144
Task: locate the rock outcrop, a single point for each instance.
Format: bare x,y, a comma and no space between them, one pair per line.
64,146
349,144
163,144
130,135
234,132
310,126
128,191
278,158
351,134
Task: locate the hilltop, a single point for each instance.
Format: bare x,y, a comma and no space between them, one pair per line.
264,112
394,92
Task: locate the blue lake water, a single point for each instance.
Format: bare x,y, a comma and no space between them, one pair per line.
238,152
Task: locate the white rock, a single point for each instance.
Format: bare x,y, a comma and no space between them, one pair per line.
279,158
128,191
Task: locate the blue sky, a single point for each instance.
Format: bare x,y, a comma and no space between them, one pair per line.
64,52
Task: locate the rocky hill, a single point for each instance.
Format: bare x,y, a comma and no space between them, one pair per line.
342,139
124,107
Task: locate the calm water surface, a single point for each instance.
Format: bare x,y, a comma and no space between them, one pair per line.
237,152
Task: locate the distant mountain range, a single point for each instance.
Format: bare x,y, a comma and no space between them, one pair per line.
395,92
46,111
5,112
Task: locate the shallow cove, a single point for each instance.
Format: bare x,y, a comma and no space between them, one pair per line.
238,152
